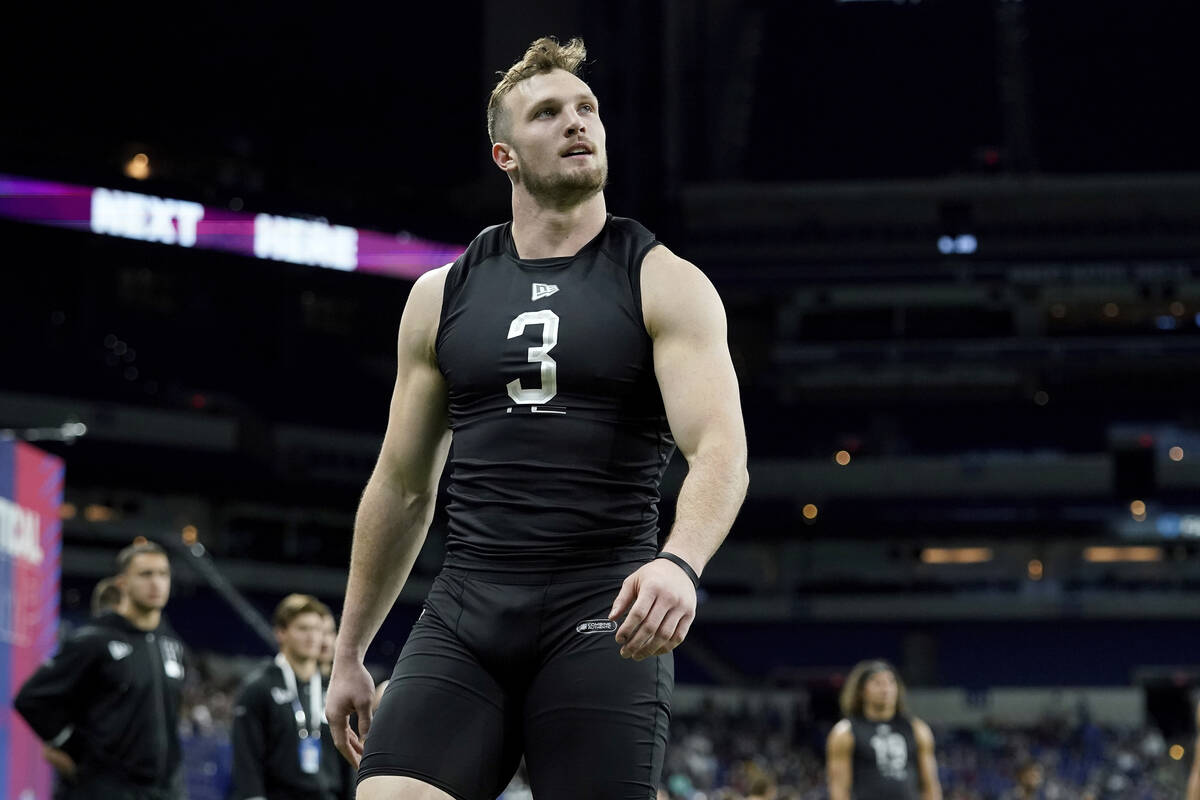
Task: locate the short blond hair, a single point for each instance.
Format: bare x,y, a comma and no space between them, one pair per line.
294,605
544,55
138,548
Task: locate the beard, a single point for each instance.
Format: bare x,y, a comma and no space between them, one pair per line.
140,606
564,190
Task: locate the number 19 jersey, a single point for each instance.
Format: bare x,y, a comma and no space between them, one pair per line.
885,759
560,436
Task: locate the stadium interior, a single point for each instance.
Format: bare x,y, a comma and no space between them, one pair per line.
959,248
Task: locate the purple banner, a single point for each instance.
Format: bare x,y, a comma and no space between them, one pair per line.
183,223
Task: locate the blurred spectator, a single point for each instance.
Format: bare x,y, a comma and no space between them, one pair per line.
1030,777
106,596
114,688
282,749
974,764
716,753
762,787
878,750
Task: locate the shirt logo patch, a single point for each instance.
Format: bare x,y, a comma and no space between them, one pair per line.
541,290
119,650
590,626
281,696
172,653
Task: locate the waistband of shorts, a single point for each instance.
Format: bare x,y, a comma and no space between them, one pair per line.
618,571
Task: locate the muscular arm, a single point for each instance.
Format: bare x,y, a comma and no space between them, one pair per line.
1193,784
686,321
839,767
395,510
695,374
931,786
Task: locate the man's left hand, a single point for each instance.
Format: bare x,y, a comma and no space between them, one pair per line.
661,604
61,762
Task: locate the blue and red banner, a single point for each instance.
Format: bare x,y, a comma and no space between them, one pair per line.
31,491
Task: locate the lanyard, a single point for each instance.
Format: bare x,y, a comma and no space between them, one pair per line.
304,728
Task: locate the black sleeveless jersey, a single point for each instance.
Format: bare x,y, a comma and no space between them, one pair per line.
885,759
560,436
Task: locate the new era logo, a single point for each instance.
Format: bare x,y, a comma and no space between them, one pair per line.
119,650
596,626
541,290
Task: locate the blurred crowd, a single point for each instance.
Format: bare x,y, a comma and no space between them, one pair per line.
755,754
723,755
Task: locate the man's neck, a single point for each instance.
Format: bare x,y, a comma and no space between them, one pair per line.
303,667
878,713
145,619
540,231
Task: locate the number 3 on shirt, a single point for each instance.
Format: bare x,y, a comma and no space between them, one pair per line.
537,355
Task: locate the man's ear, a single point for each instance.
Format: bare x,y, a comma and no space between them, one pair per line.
505,156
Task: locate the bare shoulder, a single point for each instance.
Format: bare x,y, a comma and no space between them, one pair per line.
675,291
426,294
661,258
922,732
422,312
842,735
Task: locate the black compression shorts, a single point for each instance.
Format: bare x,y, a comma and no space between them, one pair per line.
499,666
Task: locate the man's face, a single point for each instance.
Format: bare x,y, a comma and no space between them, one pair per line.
556,138
301,639
147,582
1031,777
328,639
881,690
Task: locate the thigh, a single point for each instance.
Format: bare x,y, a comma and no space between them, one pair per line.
397,787
443,719
595,723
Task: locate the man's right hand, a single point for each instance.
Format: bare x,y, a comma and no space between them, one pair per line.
351,691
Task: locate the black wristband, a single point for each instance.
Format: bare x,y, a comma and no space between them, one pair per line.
683,565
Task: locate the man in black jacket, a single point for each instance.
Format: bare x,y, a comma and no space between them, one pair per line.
106,596
114,688
282,749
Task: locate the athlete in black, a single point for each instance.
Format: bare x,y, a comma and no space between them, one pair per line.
567,351
879,752
112,691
